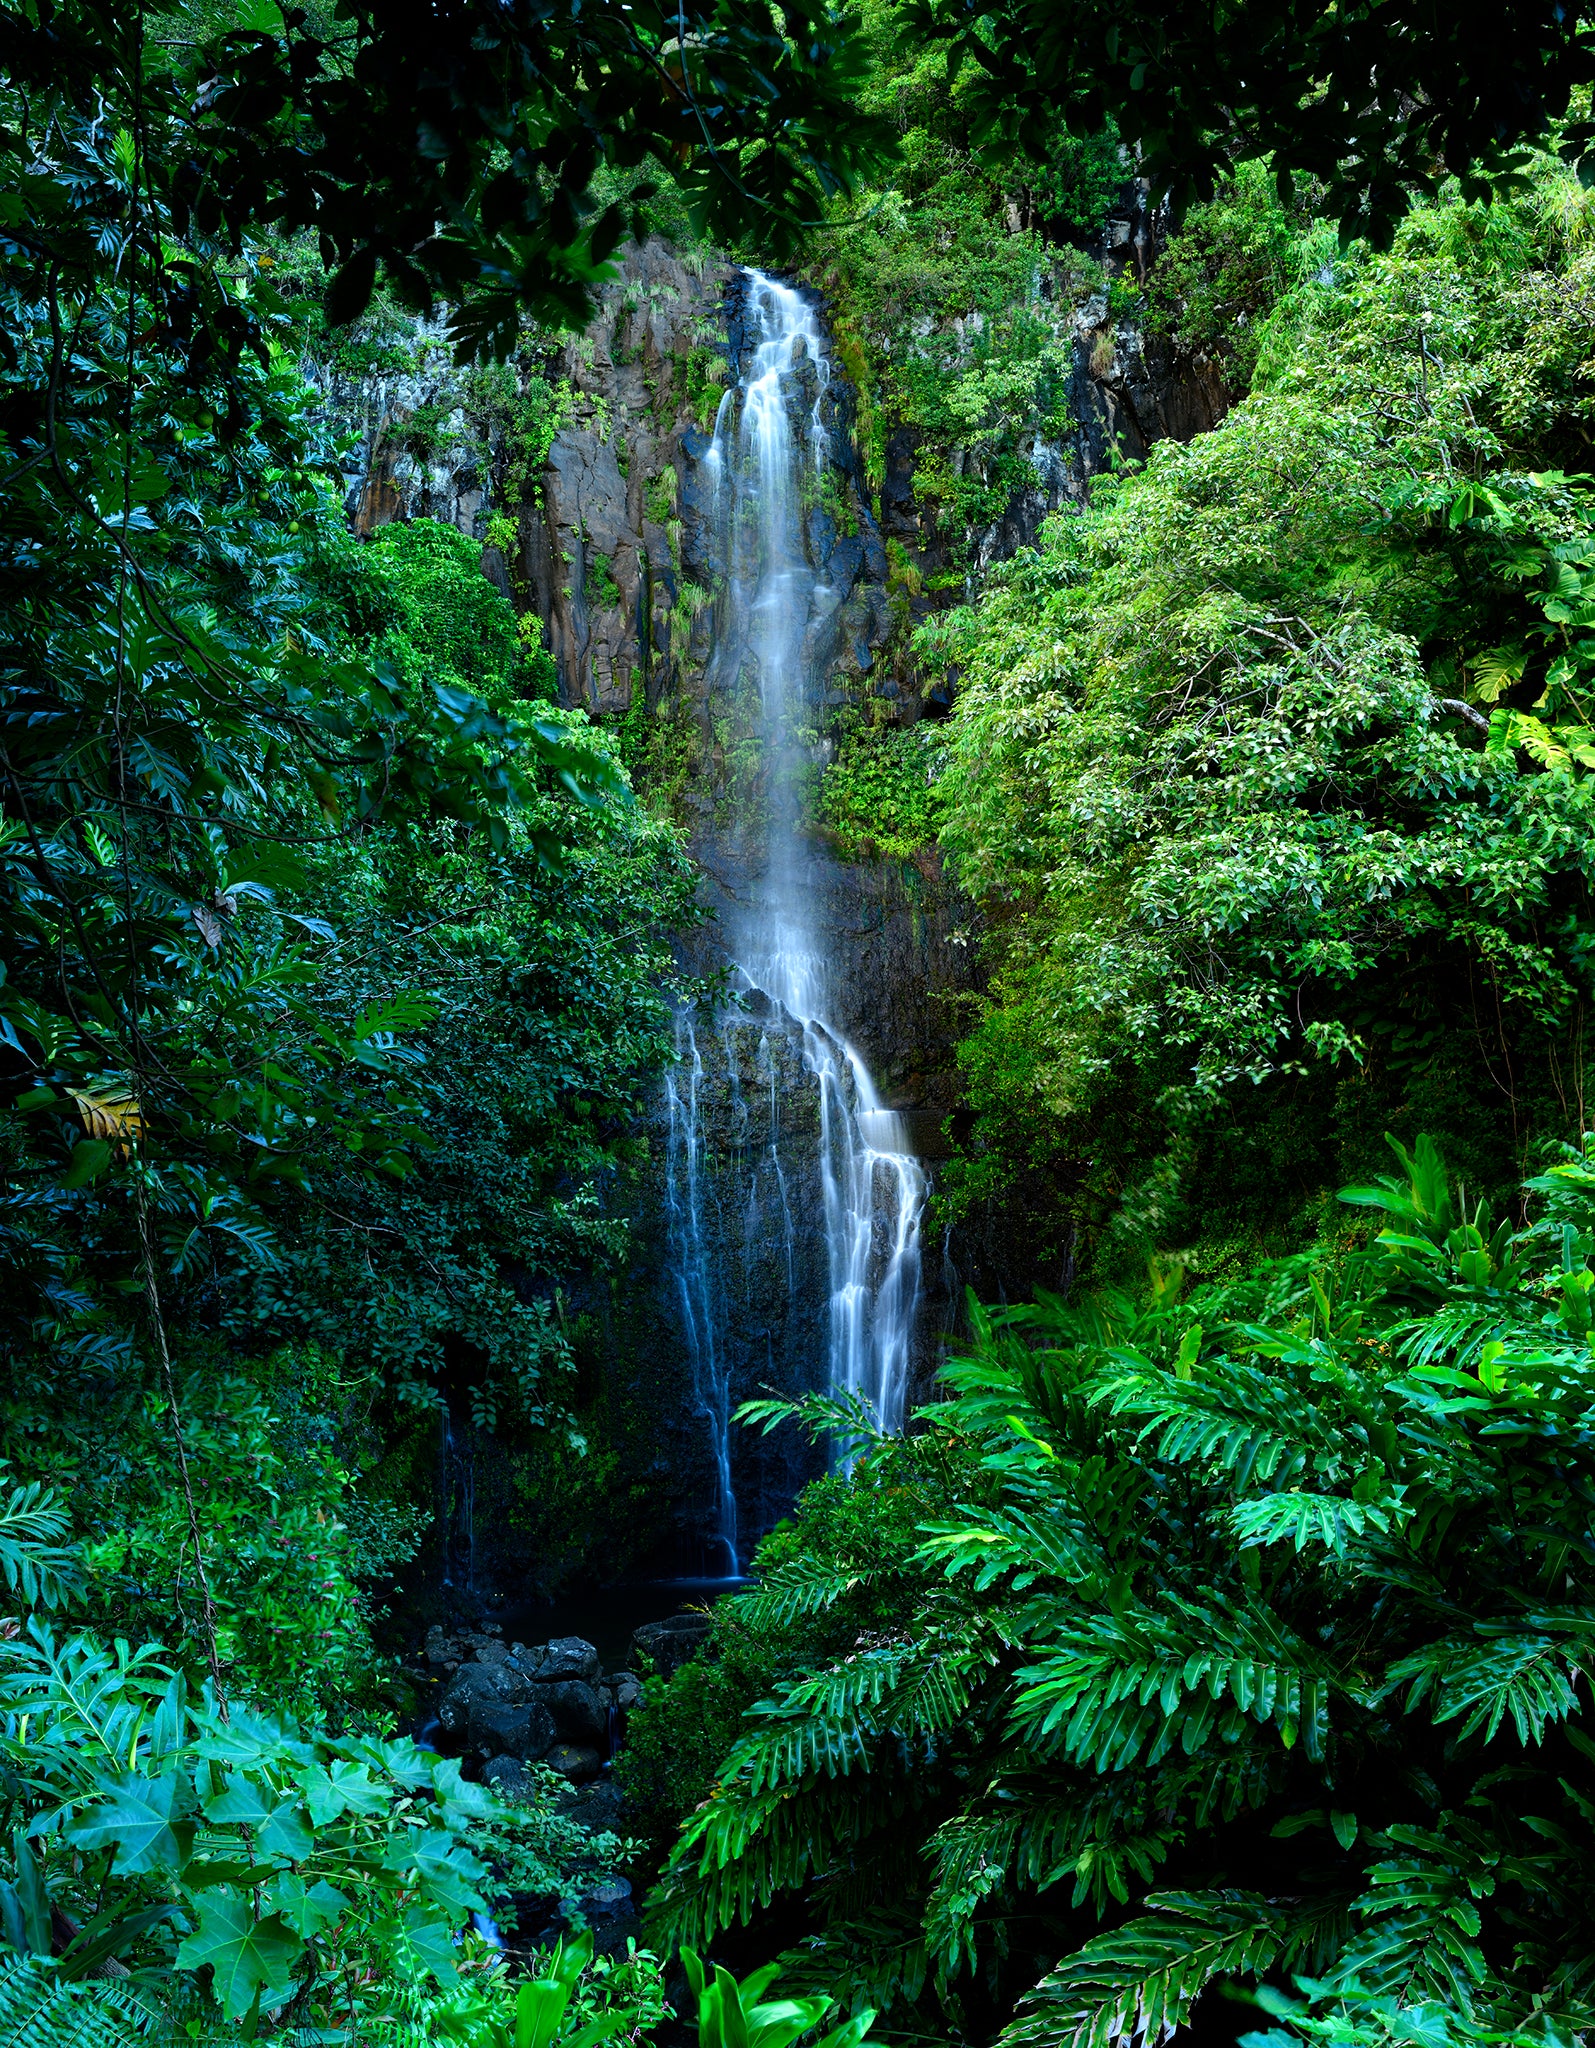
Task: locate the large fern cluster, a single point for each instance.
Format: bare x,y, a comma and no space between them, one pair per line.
1265,1656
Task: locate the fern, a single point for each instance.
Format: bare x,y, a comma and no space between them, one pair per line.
1113,1687
1254,1425
39,2010
801,1587
1301,1519
1197,1595
1526,1675
1139,1982
36,1564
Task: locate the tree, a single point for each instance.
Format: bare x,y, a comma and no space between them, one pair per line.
1377,99
454,147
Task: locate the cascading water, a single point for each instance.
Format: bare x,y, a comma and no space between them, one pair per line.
767,466
686,1197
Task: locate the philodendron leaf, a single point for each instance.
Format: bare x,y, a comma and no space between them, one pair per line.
245,1955
305,1908
147,1819
287,1833
432,1938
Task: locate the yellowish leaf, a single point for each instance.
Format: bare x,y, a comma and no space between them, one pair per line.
111,1114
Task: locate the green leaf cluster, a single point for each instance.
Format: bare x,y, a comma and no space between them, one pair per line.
1266,770
1253,1644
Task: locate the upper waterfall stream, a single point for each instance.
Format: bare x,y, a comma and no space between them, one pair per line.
767,467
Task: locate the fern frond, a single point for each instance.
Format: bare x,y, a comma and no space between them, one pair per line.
35,1563
39,2010
1256,1426
740,1848
1301,1519
1526,1674
1114,1685
1057,1542
874,1958
1138,1983
798,1588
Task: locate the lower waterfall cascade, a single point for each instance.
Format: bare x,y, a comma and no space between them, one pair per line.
857,1308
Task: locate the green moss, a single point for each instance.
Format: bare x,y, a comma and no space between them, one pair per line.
601,590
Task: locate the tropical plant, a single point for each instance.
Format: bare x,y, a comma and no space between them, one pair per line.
1351,95
235,1847
1266,773
1270,1656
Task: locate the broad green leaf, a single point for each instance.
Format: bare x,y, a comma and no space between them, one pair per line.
147,1819
246,1954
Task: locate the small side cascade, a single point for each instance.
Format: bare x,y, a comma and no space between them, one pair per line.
457,1498
687,1194
858,1180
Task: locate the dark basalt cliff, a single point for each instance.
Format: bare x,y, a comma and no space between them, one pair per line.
612,550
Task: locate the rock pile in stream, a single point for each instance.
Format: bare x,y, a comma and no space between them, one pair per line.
510,1704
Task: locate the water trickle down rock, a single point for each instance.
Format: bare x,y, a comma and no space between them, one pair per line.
792,1191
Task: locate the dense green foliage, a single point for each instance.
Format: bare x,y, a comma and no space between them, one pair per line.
1239,1636
1250,1631
1270,770
936,281
1378,103
331,976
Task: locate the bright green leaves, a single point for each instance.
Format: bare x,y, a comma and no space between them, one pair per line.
307,1909
1113,1691
270,1840
147,1821
1301,1519
733,2015
35,1563
1142,1979
339,1788
1250,1579
250,1958
1522,1675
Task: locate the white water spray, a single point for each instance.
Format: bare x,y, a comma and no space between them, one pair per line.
766,465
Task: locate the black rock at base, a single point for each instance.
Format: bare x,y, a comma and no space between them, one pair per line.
578,1713
668,1644
569,1657
575,1763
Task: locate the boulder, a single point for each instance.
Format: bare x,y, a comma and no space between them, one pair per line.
600,1807
579,1765
578,1712
667,1644
496,1727
472,1682
628,1689
569,1657
508,1779
606,1908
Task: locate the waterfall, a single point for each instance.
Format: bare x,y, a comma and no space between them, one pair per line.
767,468
686,1194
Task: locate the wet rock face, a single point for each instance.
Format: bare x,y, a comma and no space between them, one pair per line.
601,552
511,1704
667,1645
